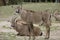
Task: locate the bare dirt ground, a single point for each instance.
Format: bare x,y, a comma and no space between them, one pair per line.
8,33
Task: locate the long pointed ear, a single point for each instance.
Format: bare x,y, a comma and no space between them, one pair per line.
55,10
21,21
24,23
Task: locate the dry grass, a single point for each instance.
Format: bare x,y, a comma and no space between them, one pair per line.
6,11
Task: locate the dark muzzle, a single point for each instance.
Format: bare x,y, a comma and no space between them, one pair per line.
12,26
41,34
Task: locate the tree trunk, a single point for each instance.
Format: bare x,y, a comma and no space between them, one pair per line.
30,0
39,0
50,0
45,0
2,2
35,0
58,1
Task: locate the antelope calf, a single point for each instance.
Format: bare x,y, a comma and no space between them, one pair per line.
24,29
